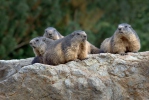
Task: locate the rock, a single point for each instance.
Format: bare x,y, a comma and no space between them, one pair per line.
10,67
102,76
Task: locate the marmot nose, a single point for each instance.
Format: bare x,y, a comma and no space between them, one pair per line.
119,29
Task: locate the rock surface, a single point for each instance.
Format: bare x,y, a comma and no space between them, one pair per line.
100,77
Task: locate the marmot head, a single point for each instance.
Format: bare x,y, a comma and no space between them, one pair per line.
40,44
36,42
124,29
79,35
51,33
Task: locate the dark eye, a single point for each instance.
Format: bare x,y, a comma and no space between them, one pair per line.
37,40
78,34
125,26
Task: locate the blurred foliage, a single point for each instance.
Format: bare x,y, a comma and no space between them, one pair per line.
22,20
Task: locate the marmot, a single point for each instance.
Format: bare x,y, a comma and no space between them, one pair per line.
52,33
39,45
73,46
124,40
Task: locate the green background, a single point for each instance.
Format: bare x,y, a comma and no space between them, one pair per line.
22,20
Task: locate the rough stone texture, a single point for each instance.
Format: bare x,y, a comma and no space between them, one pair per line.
100,77
10,67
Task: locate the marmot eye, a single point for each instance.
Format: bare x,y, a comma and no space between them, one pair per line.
78,34
37,40
125,26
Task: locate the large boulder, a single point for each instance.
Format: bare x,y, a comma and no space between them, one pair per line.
102,76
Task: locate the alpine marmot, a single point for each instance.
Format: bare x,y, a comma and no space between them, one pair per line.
72,47
124,40
39,45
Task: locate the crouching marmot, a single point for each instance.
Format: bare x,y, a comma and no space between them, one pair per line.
52,33
39,45
73,46
124,40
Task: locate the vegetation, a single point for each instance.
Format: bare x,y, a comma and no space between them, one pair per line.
22,20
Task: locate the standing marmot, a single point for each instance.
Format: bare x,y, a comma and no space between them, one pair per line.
52,33
124,40
66,49
39,45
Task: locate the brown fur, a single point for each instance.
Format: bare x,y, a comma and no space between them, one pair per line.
71,47
124,40
52,33
106,45
92,49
